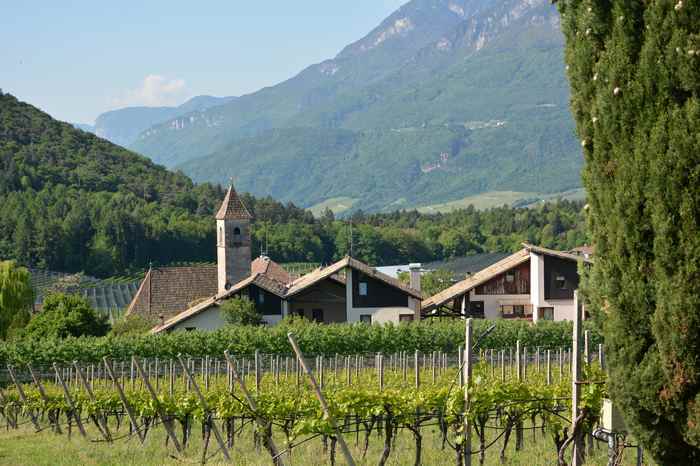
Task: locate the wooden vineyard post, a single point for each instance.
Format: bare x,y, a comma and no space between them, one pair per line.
518,360
69,400
42,393
586,352
601,356
578,446
460,365
127,407
22,397
205,408
322,401
503,365
101,418
167,422
416,366
561,364
257,371
272,449
380,371
467,377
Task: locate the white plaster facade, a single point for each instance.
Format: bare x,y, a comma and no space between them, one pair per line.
563,308
380,315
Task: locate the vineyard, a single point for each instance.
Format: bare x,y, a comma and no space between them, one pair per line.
314,339
515,396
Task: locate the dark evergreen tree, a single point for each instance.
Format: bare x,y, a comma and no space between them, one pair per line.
634,69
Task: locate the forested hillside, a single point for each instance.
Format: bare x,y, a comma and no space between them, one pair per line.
70,201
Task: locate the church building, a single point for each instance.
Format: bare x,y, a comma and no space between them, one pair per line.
188,298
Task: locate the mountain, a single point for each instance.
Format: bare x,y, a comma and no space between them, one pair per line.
122,126
72,201
443,100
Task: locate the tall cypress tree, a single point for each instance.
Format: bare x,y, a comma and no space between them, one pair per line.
634,69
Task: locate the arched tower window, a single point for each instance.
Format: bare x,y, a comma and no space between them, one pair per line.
236,235
221,236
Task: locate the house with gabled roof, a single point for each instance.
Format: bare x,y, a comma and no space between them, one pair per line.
346,291
534,283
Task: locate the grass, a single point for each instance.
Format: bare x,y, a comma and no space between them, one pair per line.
498,198
479,201
24,447
337,204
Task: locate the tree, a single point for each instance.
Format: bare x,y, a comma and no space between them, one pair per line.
16,296
431,282
240,310
64,315
634,70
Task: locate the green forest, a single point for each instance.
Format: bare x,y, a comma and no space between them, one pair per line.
70,201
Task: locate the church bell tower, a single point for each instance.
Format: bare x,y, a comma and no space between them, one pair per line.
233,249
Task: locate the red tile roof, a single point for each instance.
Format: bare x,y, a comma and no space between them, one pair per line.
233,208
167,291
265,266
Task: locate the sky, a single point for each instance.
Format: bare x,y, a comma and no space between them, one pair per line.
77,59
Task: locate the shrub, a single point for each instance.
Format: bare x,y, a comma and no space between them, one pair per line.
240,310
132,325
66,315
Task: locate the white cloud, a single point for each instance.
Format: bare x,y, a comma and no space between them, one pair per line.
154,91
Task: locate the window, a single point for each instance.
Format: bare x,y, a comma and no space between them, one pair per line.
546,313
261,297
317,315
221,236
366,318
512,310
510,277
561,282
405,317
363,288
236,235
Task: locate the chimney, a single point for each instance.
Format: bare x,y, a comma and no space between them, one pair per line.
415,269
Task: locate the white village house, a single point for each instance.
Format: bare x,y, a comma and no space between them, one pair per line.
188,298
534,283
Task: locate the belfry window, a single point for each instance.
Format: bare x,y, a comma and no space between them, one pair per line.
236,235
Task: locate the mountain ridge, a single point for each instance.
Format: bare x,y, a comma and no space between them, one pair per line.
420,99
121,126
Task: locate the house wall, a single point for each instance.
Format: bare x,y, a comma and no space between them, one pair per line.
563,308
327,295
492,302
209,319
379,294
380,314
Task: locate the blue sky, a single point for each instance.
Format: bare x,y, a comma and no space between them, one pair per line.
77,59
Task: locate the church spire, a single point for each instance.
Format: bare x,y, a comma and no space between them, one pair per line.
233,208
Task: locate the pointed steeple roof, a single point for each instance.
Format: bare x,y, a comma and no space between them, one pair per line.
233,208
